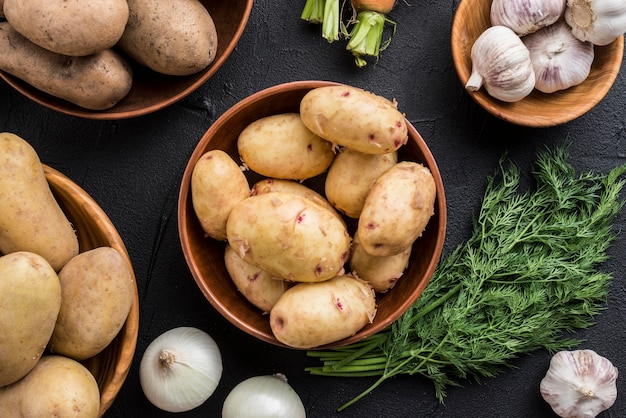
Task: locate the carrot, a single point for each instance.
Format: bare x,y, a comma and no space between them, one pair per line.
325,12
365,37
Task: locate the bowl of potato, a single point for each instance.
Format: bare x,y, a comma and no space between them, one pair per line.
69,270
303,236
534,68
147,56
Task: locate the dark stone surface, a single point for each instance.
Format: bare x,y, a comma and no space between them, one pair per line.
133,168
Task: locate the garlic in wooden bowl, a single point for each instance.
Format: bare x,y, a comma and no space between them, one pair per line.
579,384
526,16
597,21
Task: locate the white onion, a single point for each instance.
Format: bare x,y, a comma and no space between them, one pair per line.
180,369
263,397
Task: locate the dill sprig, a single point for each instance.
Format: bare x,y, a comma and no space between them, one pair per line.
526,277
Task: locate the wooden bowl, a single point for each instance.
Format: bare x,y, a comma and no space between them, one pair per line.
205,256
94,229
538,109
152,91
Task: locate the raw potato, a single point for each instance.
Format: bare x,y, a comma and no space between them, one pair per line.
258,286
351,177
97,293
30,217
57,387
75,28
382,272
290,186
397,209
354,118
170,37
280,146
217,185
94,82
30,298
313,314
289,236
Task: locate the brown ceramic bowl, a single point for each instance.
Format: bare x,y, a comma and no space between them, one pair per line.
205,256
152,91
94,229
538,109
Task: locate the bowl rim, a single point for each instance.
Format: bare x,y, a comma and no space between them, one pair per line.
183,205
501,109
63,184
35,95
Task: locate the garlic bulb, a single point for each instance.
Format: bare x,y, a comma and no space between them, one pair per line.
560,60
501,62
526,16
579,384
597,21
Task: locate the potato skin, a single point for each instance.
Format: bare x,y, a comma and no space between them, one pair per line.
94,82
381,272
56,387
217,185
97,293
280,146
397,209
354,118
170,37
258,286
351,176
288,236
75,28
313,314
30,217
30,297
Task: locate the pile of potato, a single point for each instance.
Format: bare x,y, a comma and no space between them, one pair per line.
288,245
78,50
59,306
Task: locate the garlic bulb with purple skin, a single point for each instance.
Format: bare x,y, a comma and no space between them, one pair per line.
579,384
526,16
560,60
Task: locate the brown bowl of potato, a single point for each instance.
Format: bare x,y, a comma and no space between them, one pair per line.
130,77
275,255
70,307
548,104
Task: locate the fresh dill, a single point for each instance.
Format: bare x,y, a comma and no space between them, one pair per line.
527,276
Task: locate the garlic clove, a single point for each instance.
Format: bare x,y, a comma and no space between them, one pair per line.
597,21
579,384
501,63
526,16
560,60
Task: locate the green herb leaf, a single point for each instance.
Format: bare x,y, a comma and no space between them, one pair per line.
526,277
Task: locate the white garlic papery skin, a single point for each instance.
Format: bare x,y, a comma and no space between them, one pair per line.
560,60
597,21
579,384
526,16
501,62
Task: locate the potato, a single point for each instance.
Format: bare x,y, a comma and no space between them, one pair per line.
397,209
313,314
75,28
30,217
170,37
280,146
382,272
94,82
258,286
30,298
354,118
97,292
290,186
288,236
57,387
217,185
351,176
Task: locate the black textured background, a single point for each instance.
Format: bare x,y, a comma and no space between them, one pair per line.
133,168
